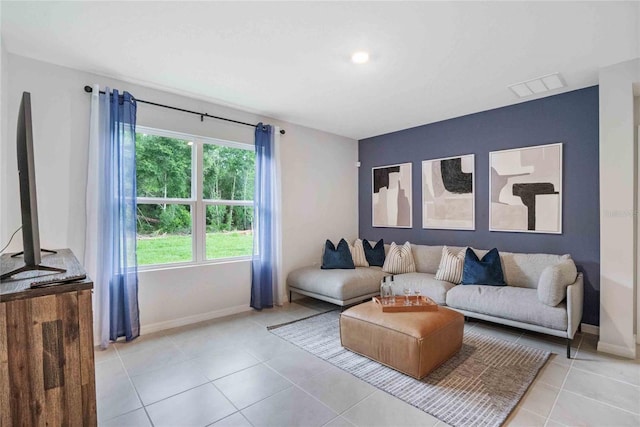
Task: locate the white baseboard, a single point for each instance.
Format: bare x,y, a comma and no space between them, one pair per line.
188,320
617,350
590,329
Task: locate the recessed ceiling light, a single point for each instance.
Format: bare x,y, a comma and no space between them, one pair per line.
360,57
538,85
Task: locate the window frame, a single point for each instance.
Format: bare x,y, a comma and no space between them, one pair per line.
198,204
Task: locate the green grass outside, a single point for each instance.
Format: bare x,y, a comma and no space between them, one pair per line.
177,248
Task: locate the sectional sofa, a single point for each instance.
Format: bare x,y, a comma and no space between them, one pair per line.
518,304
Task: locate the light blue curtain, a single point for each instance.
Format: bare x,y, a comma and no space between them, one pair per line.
117,214
263,262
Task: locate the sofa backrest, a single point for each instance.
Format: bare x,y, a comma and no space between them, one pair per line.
524,270
521,270
427,258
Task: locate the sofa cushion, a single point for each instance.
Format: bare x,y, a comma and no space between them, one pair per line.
376,254
451,263
508,302
339,257
428,285
485,271
552,286
338,284
357,253
399,259
427,258
524,270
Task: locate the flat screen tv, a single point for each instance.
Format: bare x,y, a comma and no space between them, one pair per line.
28,200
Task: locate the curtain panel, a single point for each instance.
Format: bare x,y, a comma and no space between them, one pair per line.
265,265
110,249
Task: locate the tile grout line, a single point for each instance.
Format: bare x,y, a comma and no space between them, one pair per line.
312,396
230,415
603,375
144,407
591,398
291,384
123,414
531,412
608,377
603,403
175,344
232,404
555,401
573,365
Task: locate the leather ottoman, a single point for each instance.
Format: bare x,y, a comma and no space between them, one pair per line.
414,343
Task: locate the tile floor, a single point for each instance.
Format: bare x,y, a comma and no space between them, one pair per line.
233,372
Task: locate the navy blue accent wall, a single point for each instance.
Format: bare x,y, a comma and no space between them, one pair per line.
571,118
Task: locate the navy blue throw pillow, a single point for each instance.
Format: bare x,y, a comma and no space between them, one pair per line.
339,257
375,255
487,271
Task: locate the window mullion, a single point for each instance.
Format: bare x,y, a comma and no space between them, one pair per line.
228,202
161,200
199,209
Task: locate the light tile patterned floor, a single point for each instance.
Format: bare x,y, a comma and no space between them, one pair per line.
233,372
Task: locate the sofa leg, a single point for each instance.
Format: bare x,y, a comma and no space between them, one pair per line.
568,348
290,297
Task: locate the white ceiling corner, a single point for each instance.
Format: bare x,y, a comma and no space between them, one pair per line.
292,60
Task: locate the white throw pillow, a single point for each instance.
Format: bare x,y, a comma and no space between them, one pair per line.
399,259
553,282
357,253
450,268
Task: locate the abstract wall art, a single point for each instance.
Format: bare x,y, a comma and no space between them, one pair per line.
448,193
525,186
392,196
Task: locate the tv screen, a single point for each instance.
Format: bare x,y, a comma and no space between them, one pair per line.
28,202
27,177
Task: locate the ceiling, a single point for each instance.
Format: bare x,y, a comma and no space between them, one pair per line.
291,60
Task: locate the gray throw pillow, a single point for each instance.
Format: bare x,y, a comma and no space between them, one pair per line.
552,286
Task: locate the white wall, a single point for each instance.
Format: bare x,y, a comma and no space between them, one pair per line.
618,193
3,128
636,108
319,190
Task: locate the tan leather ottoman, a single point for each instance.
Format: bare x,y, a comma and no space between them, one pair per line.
414,343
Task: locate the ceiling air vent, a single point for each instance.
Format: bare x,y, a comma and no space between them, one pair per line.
538,85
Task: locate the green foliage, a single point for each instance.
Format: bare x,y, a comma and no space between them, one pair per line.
164,170
161,219
175,218
163,167
229,218
229,173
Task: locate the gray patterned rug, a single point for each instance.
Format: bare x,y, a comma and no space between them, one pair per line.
479,386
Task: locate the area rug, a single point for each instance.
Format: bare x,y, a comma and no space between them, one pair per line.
479,386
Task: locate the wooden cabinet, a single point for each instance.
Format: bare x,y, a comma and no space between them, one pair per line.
46,356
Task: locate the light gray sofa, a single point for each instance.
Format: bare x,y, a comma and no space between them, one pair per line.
516,304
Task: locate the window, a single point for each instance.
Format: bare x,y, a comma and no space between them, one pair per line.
195,198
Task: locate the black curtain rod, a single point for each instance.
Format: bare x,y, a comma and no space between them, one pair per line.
89,89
